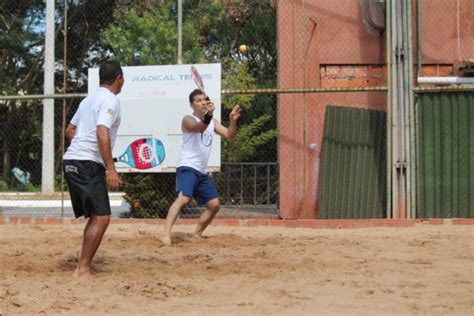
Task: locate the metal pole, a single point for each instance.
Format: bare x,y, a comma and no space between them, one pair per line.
398,115
411,183
419,36
388,9
305,127
396,110
403,127
241,185
255,185
47,168
403,117
43,96
63,127
180,28
268,184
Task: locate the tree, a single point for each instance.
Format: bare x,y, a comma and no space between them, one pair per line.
145,33
142,36
228,25
136,32
21,72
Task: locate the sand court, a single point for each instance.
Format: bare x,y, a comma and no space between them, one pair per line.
240,270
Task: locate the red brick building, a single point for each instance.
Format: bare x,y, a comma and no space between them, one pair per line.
324,43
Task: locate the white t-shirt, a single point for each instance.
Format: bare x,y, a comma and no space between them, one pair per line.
196,148
100,108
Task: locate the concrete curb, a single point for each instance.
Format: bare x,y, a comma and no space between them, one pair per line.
288,223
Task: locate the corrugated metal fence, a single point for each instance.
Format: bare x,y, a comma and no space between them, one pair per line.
445,155
354,177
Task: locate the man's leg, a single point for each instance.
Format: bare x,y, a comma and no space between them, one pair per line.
173,212
207,216
93,233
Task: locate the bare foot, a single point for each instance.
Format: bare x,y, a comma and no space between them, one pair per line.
80,273
165,239
197,235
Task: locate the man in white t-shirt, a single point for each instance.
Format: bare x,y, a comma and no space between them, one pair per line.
88,164
192,179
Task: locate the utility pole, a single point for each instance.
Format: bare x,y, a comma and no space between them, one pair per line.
47,163
180,31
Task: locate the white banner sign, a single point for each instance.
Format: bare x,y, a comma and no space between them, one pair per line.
153,101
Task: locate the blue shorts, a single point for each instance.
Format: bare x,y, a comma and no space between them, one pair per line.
194,184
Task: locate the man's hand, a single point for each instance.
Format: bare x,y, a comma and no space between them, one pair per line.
210,107
235,114
113,180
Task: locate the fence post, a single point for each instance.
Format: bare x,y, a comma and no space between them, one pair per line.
47,169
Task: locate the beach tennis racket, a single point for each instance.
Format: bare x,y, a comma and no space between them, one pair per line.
143,153
198,80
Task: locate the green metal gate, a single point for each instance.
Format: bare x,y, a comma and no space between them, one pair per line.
445,154
354,177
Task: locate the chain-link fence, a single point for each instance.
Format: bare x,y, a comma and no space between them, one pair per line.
443,161
313,140
137,33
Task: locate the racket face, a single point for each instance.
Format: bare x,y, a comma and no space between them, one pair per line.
144,153
197,78
22,176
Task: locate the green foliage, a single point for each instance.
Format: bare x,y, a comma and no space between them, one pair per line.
137,32
232,23
141,40
145,33
150,38
149,194
3,186
257,126
18,187
20,133
22,55
21,46
248,140
30,187
60,183
237,77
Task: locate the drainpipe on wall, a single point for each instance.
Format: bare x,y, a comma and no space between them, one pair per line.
418,37
401,93
388,41
446,80
412,165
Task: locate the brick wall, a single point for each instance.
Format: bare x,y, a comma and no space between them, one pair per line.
371,75
353,75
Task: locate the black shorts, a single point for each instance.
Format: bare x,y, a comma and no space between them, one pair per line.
88,187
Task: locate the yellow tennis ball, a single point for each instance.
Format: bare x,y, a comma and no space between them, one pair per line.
243,49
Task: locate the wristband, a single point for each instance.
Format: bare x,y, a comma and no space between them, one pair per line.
207,118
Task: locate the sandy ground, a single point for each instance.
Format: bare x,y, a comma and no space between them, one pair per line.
240,271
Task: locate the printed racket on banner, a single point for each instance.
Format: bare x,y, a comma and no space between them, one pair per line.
143,153
198,80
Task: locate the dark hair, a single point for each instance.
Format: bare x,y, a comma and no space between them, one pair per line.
195,93
109,71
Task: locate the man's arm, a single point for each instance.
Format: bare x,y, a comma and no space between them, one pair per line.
190,125
103,138
70,131
228,132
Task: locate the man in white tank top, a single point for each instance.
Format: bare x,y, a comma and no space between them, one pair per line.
192,179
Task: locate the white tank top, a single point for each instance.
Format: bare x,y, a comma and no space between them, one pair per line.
196,148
